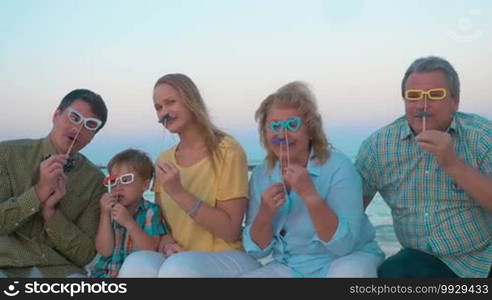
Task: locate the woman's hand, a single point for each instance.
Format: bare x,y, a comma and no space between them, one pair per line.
168,246
168,178
171,248
298,178
272,199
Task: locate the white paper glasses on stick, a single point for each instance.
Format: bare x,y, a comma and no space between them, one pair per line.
91,124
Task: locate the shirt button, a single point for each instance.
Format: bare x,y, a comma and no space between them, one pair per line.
426,172
426,214
33,209
16,224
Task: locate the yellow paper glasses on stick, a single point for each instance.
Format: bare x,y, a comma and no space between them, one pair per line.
431,94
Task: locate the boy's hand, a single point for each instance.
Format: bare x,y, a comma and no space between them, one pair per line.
121,215
108,200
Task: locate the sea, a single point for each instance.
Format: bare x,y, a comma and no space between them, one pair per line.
378,212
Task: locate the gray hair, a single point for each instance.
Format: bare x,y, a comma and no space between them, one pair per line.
430,64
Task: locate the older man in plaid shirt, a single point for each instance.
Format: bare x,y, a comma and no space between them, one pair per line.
433,167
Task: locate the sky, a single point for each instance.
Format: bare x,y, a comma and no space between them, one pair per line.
352,54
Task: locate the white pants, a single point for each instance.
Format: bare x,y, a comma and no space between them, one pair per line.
355,265
188,264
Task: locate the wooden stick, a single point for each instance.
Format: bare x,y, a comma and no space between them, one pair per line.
288,150
424,117
281,164
112,220
74,139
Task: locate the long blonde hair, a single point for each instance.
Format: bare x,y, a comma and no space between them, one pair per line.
195,104
297,95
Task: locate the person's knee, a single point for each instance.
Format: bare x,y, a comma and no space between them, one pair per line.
391,269
405,263
141,264
182,264
352,269
420,265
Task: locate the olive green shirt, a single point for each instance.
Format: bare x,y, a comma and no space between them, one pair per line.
62,245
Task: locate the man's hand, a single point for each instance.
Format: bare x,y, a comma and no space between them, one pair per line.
49,205
440,145
49,172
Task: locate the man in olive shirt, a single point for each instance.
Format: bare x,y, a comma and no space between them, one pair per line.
49,194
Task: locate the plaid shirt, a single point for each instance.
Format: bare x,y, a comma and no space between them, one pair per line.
148,218
430,212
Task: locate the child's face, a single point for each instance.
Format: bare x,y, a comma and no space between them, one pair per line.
129,195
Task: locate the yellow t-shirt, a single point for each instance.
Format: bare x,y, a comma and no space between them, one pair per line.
230,181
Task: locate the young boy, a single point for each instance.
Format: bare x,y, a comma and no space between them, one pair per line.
127,222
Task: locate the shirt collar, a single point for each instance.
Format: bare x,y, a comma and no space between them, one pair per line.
47,149
453,127
313,168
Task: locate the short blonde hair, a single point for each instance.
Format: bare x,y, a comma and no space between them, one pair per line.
297,95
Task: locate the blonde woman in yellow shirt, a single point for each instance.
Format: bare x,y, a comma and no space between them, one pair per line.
202,187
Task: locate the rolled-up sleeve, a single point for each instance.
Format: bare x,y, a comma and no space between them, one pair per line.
367,167
342,242
153,221
253,206
252,248
345,199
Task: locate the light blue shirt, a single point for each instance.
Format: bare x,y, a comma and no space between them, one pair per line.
300,248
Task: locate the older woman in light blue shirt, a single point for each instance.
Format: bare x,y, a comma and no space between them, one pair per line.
306,208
